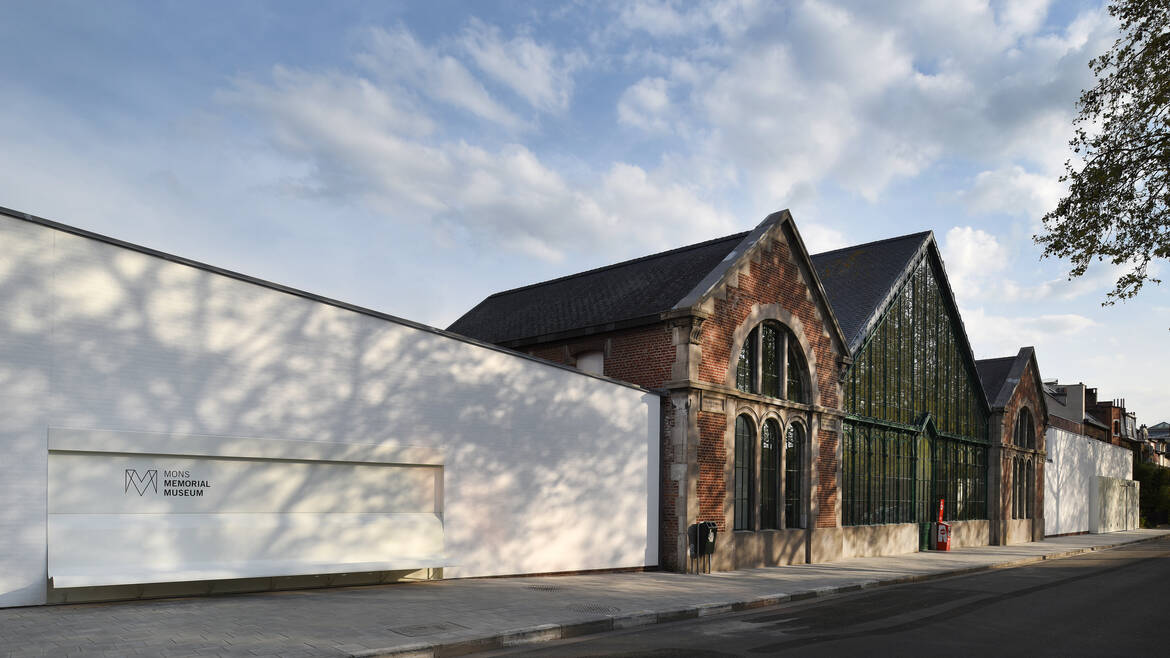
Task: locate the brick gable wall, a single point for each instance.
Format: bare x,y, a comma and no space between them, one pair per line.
772,277
1027,394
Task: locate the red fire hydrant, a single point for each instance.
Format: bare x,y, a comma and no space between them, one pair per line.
942,535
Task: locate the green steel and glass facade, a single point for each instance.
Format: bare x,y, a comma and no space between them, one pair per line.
916,423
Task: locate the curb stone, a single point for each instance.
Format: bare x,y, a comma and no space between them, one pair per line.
550,632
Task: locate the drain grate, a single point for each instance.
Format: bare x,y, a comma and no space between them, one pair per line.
597,608
545,588
420,630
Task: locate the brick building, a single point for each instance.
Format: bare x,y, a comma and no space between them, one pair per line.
818,407
739,332
1019,420
1121,426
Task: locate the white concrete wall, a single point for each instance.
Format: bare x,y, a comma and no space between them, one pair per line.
1074,463
1114,505
545,469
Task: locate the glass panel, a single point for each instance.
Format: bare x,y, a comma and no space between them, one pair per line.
797,372
913,364
793,471
745,370
769,475
744,439
770,361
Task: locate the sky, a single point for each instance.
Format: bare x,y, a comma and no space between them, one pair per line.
415,157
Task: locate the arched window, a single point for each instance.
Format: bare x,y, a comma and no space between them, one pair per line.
1024,435
745,438
769,475
793,471
772,353
1016,488
1029,489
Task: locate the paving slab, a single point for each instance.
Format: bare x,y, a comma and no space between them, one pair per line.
452,617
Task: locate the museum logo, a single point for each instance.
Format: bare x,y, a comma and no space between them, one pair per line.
148,480
175,483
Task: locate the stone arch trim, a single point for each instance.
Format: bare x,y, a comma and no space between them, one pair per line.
760,313
746,410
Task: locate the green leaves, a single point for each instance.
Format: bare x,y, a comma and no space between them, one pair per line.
1118,203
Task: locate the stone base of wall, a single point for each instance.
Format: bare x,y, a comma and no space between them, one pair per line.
1019,531
879,540
970,533
830,544
763,548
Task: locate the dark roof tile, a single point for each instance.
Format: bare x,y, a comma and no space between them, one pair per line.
993,373
632,289
857,279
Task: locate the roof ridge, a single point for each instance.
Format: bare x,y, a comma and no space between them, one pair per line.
870,244
998,358
736,236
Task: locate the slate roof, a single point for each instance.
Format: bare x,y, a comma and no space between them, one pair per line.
858,279
1000,377
1090,420
639,288
992,375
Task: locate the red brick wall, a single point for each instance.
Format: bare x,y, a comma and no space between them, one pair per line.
826,492
1065,424
641,356
773,279
712,459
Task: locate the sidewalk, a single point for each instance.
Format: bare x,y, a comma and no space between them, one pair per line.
459,616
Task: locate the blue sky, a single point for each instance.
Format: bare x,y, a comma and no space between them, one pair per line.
416,157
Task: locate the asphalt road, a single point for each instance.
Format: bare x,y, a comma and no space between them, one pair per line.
1107,603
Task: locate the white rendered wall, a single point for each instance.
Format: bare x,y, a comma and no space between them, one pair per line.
1075,462
545,469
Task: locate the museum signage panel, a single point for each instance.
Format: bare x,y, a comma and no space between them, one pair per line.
121,517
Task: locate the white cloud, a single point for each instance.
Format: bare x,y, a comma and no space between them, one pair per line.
973,259
864,94
645,105
664,212
1013,191
995,335
535,71
365,140
820,238
396,56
